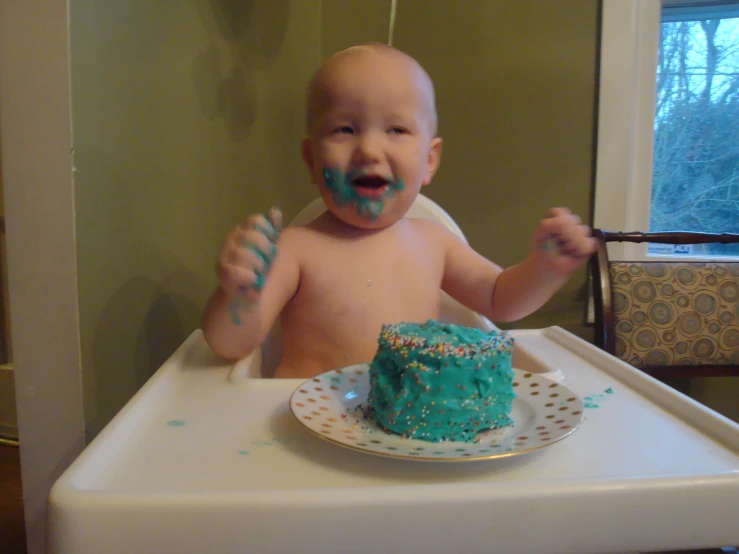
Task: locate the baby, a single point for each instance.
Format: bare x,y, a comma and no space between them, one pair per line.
371,145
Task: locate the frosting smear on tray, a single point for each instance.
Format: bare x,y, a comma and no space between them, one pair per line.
441,382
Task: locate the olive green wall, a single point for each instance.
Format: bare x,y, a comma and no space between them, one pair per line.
187,117
345,23
515,84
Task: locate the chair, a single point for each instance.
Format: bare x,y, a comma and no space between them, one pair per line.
263,362
677,318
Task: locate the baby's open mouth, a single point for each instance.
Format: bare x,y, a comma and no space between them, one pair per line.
370,186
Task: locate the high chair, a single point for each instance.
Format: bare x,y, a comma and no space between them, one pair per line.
263,362
194,463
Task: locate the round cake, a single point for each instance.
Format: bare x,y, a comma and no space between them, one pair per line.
441,382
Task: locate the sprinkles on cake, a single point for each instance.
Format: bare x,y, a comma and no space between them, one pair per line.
468,370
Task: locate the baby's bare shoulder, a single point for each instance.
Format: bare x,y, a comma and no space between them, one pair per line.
426,224
292,244
294,233
303,244
429,229
298,237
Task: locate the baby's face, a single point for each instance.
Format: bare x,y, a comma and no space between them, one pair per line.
372,145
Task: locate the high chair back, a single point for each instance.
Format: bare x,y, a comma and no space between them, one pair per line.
262,363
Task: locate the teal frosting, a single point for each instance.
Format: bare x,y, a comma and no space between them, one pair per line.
441,382
343,193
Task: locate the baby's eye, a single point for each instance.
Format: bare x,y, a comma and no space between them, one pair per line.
343,130
397,130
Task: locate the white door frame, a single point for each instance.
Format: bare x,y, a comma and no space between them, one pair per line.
35,118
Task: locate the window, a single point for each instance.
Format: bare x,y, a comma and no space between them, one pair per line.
668,145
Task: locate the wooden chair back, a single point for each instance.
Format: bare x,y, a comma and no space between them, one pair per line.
677,318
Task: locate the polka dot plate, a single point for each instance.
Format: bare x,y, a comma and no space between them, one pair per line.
331,406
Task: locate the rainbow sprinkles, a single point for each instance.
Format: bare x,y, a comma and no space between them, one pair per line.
441,382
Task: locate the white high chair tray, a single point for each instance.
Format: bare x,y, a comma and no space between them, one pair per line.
195,463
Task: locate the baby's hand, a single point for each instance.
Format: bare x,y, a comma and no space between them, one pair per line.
247,255
566,241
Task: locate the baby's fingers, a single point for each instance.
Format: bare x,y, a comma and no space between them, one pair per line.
580,242
268,225
238,281
256,250
577,242
274,216
562,232
559,222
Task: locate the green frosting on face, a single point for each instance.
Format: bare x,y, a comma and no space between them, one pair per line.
343,193
441,382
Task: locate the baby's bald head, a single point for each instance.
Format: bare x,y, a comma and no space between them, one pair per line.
374,60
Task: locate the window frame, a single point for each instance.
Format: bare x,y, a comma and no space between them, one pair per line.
628,65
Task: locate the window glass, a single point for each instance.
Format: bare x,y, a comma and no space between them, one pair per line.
695,177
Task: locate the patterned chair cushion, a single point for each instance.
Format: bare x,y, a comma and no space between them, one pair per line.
676,313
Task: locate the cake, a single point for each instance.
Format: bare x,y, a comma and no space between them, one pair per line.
441,382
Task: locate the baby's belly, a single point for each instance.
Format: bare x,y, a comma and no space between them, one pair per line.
330,340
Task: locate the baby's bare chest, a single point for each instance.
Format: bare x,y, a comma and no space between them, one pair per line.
347,291
376,282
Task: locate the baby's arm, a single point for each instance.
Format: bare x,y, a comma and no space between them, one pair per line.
258,273
519,290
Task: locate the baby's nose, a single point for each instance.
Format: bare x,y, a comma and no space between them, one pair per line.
368,148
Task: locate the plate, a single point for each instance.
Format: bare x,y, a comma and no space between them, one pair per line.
332,407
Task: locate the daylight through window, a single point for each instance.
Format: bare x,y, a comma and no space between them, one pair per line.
695,178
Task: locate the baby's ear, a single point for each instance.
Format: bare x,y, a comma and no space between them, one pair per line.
434,158
307,154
